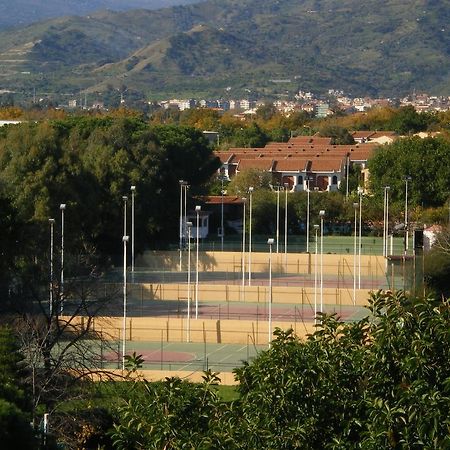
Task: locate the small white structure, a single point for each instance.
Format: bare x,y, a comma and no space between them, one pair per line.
430,235
203,224
9,122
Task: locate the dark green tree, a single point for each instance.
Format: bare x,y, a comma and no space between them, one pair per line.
173,414
337,134
421,159
407,120
15,405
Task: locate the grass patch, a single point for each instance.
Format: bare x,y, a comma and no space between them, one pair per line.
228,393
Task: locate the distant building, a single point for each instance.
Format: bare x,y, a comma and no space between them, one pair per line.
323,110
379,137
303,162
9,122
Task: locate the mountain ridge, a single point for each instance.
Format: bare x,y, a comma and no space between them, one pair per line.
24,12
379,47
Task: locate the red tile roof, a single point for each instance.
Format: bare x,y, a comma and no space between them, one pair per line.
261,164
227,200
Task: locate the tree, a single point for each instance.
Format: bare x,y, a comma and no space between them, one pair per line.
61,349
15,407
240,183
437,265
419,158
380,382
250,136
337,134
408,121
173,414
90,163
266,111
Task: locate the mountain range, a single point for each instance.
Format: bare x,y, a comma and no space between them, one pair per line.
24,12
229,47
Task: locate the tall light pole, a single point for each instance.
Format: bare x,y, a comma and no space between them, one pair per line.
278,217
62,207
183,216
124,324
182,183
243,242
52,223
250,192
407,179
185,187
386,220
270,242
125,201
286,188
360,193
347,174
355,207
321,215
222,229
133,193
197,210
308,180
188,334
316,229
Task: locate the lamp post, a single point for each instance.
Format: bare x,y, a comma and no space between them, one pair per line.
355,207
347,174
133,193
188,334
181,183
243,243
124,324
308,180
386,220
52,223
250,192
360,193
286,188
321,215
125,201
407,179
62,207
222,229
278,217
183,218
316,229
270,242
197,210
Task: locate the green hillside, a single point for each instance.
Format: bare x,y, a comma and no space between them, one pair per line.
377,47
23,12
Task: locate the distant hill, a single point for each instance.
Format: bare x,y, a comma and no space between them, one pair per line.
376,47
23,12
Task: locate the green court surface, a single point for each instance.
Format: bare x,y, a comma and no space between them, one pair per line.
190,357
197,357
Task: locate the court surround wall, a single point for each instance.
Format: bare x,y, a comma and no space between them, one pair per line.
292,263
175,330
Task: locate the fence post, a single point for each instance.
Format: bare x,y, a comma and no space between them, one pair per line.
131,330
218,332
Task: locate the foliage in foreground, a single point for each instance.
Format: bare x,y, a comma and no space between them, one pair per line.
15,429
382,382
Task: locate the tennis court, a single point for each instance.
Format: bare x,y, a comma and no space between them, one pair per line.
190,357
